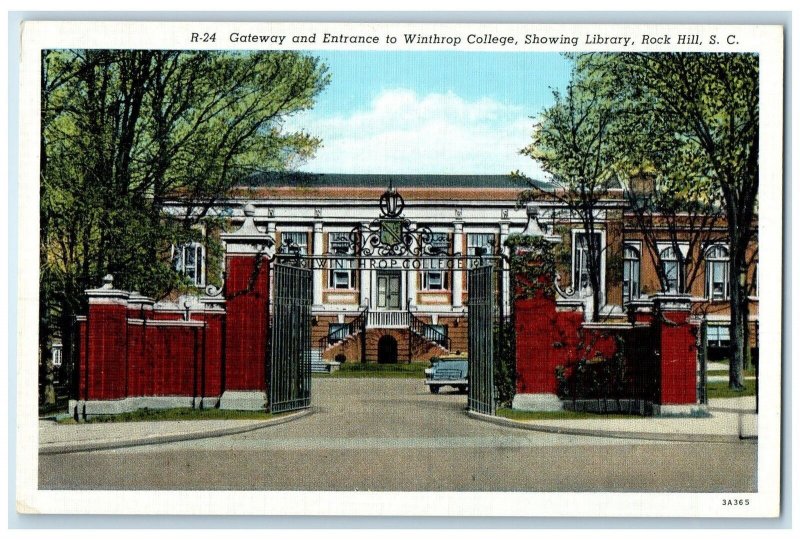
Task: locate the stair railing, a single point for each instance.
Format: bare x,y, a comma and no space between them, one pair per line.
427,332
353,327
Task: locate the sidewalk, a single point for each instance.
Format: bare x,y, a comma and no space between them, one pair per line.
730,420
57,438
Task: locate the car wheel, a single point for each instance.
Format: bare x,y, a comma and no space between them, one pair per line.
434,389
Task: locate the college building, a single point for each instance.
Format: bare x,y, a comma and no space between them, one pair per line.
318,270
382,301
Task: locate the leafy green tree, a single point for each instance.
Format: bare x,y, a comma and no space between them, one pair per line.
126,132
703,109
574,141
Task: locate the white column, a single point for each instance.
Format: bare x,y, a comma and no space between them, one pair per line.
458,276
411,287
506,276
318,274
364,277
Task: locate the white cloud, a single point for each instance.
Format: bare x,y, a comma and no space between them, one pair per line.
404,132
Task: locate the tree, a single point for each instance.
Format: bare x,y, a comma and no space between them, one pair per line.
575,143
124,131
706,108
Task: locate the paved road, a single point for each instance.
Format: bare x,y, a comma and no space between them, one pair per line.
383,434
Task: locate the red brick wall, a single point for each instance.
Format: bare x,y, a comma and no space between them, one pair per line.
545,339
247,321
107,352
678,347
211,383
125,350
660,355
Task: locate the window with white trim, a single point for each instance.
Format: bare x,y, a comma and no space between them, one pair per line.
717,267
58,355
480,244
294,239
434,276
631,266
190,260
718,335
341,272
757,277
580,260
671,268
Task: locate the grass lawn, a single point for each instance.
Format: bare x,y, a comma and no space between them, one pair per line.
556,415
414,370
721,390
724,372
154,415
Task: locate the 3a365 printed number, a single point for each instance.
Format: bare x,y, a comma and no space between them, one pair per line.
735,502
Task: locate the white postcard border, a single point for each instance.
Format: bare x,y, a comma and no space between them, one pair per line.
766,40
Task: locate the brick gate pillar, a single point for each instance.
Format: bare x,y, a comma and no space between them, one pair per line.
104,352
247,255
539,321
677,345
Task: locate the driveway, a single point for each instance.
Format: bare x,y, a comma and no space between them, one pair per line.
392,434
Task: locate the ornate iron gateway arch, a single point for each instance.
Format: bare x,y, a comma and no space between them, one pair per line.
390,243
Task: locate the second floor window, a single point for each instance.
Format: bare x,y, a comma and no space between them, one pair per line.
630,273
480,244
717,264
671,268
580,260
294,239
189,259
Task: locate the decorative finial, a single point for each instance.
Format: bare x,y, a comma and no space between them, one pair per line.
108,281
249,210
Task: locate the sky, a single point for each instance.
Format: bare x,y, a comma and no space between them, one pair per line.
429,112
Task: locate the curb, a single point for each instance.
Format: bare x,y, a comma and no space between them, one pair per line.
560,430
69,448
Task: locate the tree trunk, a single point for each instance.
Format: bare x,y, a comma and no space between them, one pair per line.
737,333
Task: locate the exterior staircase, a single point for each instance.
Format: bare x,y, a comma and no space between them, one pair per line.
318,365
358,340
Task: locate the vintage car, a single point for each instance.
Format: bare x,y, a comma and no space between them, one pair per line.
447,371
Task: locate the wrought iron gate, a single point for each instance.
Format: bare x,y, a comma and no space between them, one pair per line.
290,358
481,339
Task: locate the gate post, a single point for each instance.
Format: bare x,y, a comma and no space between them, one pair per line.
540,322
247,260
677,343
103,353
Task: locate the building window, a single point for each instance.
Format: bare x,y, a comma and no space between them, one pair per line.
341,273
58,355
755,281
717,264
670,266
189,260
480,244
337,332
580,260
719,336
434,279
291,239
630,273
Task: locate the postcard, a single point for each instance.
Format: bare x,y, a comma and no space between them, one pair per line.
399,269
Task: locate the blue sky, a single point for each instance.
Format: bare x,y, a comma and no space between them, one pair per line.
430,112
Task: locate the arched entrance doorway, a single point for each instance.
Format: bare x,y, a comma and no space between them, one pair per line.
387,350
